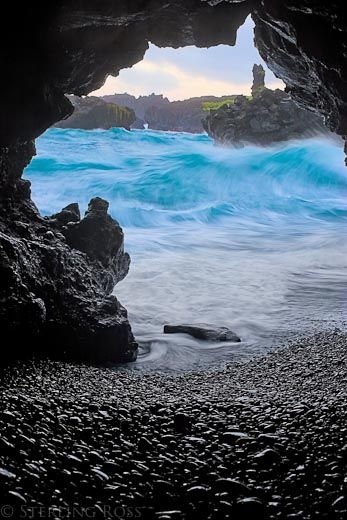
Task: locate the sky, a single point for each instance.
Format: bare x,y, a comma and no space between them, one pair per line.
189,72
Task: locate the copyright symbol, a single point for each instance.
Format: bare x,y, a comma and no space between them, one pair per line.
6,511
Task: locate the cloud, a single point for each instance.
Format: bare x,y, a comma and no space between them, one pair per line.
172,81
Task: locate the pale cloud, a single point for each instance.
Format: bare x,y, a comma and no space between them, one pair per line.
172,81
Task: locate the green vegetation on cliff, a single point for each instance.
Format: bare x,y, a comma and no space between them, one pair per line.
215,105
92,112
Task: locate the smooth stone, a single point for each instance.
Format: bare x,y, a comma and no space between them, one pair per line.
340,504
203,332
268,456
248,508
233,486
6,474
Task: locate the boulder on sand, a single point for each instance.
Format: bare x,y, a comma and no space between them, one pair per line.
204,332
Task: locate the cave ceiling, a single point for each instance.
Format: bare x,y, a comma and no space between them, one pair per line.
70,47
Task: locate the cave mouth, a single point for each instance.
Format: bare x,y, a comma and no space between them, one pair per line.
248,238
73,50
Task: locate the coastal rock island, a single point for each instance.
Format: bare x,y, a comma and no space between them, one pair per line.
266,117
92,112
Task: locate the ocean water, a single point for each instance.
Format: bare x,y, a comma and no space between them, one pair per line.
252,238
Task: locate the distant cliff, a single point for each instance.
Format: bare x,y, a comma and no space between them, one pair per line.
266,117
92,112
161,114
181,116
140,104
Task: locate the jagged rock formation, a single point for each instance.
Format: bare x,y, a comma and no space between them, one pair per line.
139,104
161,114
57,275
270,116
92,112
258,79
70,47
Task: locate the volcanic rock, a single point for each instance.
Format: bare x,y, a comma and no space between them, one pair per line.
203,332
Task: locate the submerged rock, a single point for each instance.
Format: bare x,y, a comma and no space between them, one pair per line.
203,332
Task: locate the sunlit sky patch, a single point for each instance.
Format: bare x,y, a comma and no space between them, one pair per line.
189,72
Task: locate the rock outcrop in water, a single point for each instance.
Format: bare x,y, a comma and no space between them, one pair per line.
69,48
203,332
57,276
169,116
269,116
181,116
92,112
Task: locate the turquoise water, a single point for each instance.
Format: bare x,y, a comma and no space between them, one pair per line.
250,238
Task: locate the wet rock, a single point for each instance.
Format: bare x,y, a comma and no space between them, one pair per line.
5,474
182,422
248,508
58,298
267,457
99,236
270,116
16,498
70,213
233,486
233,436
198,493
340,504
203,332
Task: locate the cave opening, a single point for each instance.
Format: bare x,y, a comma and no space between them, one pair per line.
225,236
256,235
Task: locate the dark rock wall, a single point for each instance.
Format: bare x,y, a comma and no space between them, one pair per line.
57,275
270,116
180,116
139,104
49,290
70,47
304,42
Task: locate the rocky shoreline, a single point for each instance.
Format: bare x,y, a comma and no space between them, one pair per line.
265,118
262,440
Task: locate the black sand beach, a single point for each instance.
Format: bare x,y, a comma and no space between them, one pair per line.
263,439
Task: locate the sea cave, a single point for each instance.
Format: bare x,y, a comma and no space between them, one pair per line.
261,435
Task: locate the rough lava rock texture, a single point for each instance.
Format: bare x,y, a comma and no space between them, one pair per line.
270,116
304,42
57,275
69,47
258,78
